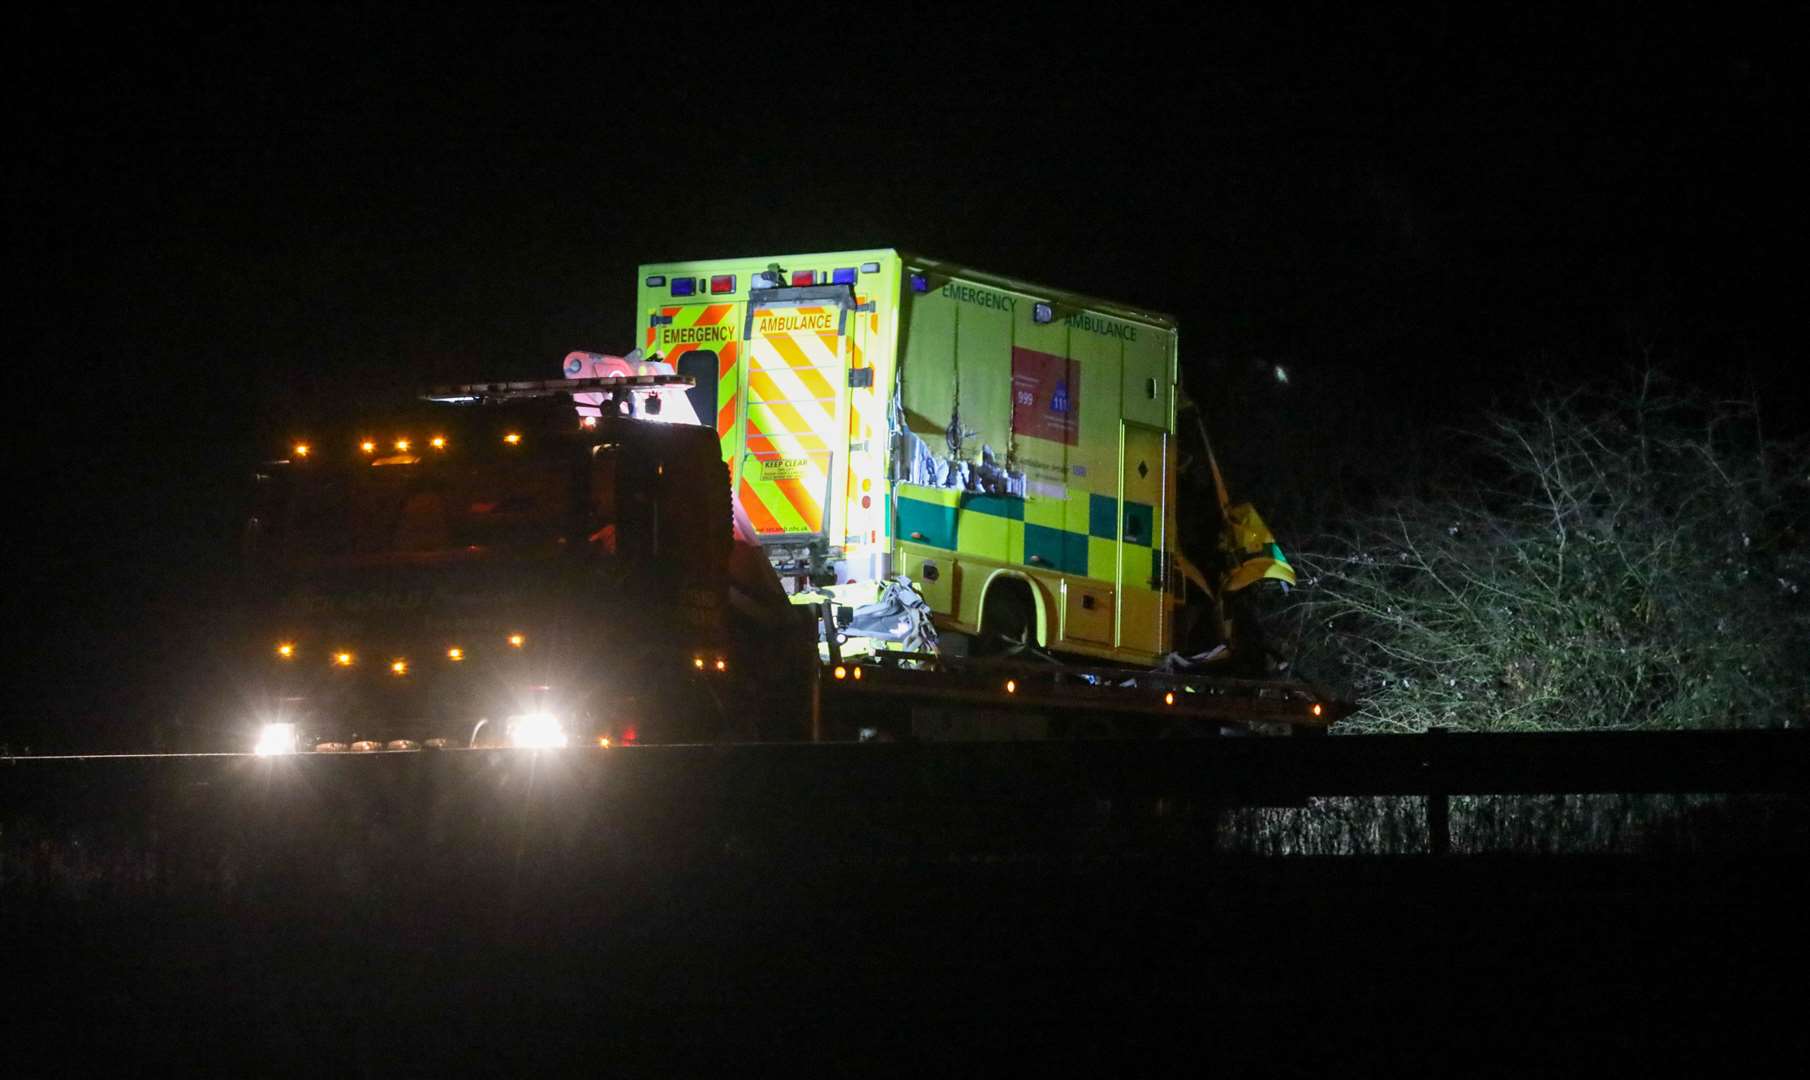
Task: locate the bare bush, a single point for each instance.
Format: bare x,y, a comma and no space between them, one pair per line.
1630,560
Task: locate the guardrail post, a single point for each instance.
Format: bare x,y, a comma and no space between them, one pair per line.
1439,801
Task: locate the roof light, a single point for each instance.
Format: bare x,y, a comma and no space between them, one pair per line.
722,283
286,650
455,654
369,446
514,438
843,276
683,286
399,666
920,283
402,446
870,268
343,659
438,442
516,641
302,449
804,277
654,281
1042,313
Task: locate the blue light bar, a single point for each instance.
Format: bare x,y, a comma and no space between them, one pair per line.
920,283
870,268
845,276
763,280
654,281
683,286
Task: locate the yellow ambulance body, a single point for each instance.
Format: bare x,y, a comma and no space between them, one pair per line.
1008,447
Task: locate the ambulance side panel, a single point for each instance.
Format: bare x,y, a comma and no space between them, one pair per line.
1077,409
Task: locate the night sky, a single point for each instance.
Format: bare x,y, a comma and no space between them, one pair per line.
221,227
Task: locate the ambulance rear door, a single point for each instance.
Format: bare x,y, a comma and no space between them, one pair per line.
795,419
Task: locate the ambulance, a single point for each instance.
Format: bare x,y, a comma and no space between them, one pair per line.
1011,449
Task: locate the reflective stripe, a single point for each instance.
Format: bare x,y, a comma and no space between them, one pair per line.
791,433
981,525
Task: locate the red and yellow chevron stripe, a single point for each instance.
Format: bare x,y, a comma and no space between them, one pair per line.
667,335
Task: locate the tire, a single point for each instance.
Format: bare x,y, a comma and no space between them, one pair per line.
1007,623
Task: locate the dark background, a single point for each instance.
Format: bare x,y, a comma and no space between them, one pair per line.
221,226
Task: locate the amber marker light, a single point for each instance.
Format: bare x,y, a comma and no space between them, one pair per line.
1169,698
455,654
841,672
1317,709
517,641
342,659
514,438
722,664
302,449
1011,686
402,446
399,667
369,446
697,662
438,442
286,650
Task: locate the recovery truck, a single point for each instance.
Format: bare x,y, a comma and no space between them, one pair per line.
979,465
489,569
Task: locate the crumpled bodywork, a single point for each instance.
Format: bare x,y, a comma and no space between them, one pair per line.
1252,552
882,615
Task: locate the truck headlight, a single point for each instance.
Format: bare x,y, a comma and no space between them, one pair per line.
539,731
276,739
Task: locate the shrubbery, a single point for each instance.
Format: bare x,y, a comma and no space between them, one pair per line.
1604,560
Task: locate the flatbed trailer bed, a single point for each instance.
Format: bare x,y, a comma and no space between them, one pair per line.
933,696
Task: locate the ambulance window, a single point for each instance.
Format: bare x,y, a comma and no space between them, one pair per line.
700,364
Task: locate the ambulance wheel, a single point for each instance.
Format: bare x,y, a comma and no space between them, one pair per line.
1006,624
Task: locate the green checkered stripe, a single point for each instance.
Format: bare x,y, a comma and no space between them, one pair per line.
1076,536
